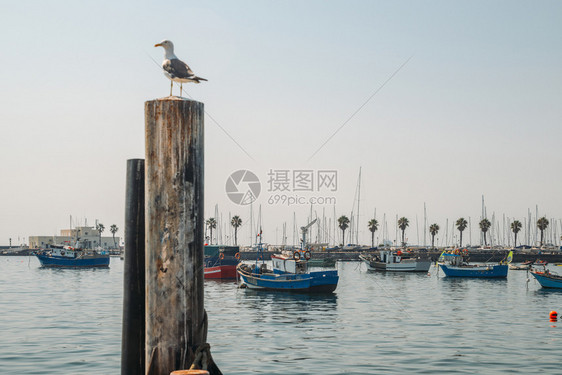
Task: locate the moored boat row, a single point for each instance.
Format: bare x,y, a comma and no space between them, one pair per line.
289,270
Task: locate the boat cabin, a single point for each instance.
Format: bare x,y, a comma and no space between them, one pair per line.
453,259
390,257
287,262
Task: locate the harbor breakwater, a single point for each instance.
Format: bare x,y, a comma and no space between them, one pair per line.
474,256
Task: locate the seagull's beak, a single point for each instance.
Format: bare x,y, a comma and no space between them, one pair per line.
158,45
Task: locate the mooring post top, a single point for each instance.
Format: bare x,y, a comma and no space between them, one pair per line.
173,101
173,98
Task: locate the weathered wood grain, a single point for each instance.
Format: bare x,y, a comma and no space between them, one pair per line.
174,233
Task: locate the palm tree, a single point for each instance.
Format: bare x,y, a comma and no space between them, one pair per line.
100,228
113,229
403,223
212,224
542,224
433,229
373,226
343,223
484,226
516,227
461,225
236,222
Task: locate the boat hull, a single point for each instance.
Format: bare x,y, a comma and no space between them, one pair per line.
421,266
548,281
406,265
313,282
220,272
62,262
492,271
321,262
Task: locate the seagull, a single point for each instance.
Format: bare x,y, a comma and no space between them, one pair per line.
175,69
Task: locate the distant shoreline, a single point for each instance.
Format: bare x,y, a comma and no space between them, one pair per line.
353,255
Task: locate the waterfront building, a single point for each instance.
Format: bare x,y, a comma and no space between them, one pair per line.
69,236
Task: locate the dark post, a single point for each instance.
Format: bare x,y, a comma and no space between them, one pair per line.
175,316
132,342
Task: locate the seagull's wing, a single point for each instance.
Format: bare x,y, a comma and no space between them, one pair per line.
177,68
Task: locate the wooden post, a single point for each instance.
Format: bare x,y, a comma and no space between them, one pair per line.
175,316
132,342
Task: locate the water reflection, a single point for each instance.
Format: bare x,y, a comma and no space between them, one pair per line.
218,282
398,276
547,292
269,296
293,308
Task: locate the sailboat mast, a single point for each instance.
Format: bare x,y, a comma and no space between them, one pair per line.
424,225
469,231
358,203
482,218
536,219
417,231
295,230
447,233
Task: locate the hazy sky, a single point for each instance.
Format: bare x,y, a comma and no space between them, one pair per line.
476,110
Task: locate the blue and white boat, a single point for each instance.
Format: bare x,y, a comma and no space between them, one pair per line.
73,257
289,273
454,265
547,279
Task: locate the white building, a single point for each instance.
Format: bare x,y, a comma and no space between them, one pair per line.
69,237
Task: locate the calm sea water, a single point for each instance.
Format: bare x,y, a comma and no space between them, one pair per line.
69,322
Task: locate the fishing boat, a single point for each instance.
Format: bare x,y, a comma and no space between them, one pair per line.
289,272
547,279
221,261
455,264
81,255
519,267
395,261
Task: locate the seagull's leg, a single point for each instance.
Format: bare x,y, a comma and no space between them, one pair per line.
181,88
171,86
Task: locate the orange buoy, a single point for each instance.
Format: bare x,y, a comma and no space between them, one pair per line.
553,316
